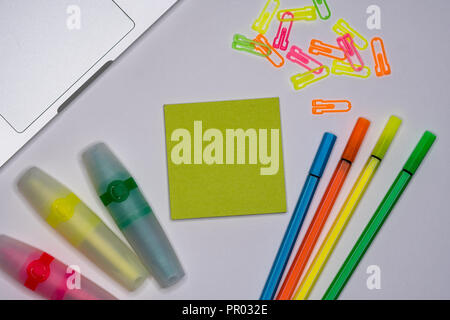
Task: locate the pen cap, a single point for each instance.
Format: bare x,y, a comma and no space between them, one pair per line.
13,256
68,215
58,205
355,140
115,186
122,197
419,153
41,190
103,167
385,140
323,154
42,273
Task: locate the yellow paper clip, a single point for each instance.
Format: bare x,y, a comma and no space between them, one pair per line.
344,68
273,56
300,14
330,106
261,25
302,80
242,43
341,27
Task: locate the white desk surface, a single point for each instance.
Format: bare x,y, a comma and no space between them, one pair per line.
187,57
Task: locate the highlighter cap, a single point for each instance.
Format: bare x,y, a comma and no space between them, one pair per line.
385,140
103,166
41,190
116,188
419,153
323,154
114,185
13,255
355,140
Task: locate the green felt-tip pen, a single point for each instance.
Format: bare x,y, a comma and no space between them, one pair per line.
380,215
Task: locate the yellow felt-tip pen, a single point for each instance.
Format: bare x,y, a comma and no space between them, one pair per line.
350,204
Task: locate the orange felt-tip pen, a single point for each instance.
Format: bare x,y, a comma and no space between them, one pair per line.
298,265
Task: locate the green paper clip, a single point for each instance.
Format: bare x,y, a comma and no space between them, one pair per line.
302,80
322,4
299,14
261,25
341,27
242,43
343,68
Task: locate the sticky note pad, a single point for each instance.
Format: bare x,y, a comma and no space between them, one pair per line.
225,158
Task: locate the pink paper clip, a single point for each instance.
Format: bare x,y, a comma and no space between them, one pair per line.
346,43
281,39
296,55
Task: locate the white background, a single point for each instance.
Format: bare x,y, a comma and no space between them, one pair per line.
187,57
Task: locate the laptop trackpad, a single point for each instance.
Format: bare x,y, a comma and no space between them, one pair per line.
46,46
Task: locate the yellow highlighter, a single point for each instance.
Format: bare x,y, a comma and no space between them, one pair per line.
68,215
348,208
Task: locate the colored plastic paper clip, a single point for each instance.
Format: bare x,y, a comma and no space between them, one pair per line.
298,216
318,47
379,217
348,46
281,39
300,14
303,80
297,56
43,274
262,40
382,67
322,7
341,27
261,25
330,106
122,197
343,68
68,215
323,210
350,204
242,43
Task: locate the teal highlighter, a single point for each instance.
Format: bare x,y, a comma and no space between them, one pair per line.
120,194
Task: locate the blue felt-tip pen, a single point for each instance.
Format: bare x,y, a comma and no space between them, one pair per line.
295,224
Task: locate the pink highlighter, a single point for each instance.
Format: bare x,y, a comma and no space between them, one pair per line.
45,275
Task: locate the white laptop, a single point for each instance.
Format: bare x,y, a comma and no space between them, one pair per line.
50,49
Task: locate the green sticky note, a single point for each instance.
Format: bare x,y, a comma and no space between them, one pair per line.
225,158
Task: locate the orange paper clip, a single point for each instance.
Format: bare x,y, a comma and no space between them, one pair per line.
274,53
330,106
382,67
318,47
